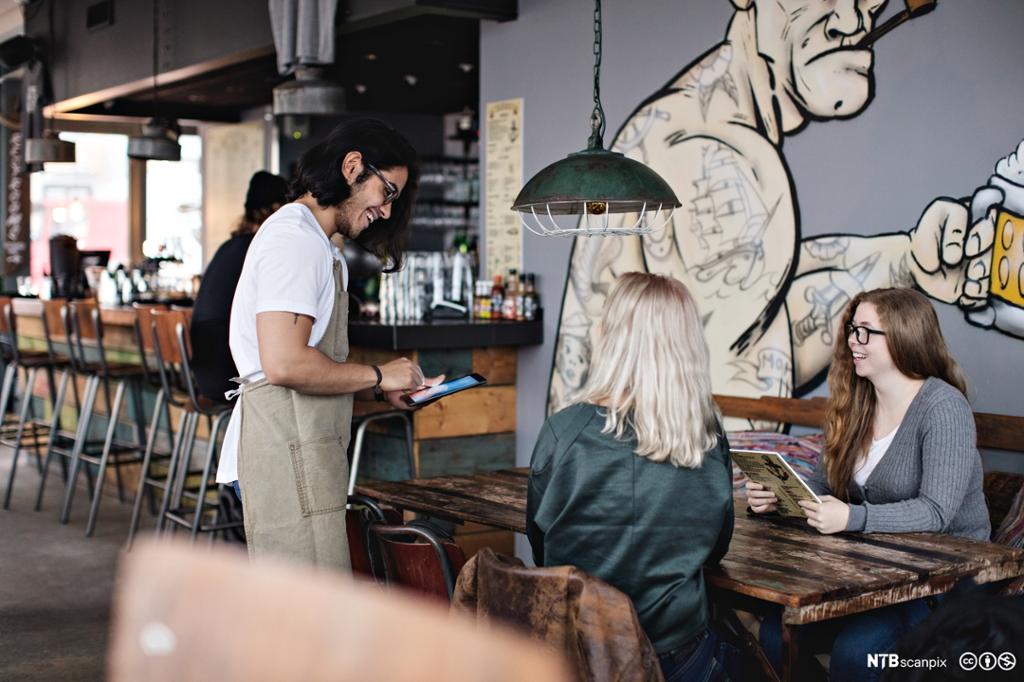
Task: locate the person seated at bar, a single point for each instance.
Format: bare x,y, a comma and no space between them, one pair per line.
900,456
211,356
632,483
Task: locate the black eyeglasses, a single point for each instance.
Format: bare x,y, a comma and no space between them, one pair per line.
863,333
391,190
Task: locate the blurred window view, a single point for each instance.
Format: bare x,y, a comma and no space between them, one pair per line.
87,200
174,201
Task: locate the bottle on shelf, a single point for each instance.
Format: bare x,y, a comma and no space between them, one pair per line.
483,299
521,297
508,309
531,301
497,298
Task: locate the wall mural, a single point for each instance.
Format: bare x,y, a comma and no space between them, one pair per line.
771,299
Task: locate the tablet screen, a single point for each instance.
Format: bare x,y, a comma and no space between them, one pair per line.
443,389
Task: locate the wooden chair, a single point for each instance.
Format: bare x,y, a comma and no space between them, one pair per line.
173,353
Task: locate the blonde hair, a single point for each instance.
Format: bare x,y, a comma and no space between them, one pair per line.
650,369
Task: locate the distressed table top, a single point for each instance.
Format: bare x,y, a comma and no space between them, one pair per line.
814,576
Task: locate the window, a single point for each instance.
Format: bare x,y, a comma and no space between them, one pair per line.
87,200
174,202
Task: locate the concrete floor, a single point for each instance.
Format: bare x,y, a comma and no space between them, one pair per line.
55,583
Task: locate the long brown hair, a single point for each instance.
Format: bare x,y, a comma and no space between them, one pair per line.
918,350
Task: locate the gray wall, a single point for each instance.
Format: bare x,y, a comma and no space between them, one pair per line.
948,104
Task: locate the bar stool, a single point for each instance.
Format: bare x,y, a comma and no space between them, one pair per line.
82,323
30,362
173,353
148,480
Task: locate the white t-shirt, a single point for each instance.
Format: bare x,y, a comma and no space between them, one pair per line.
289,267
875,453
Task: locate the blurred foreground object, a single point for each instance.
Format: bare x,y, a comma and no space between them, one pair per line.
191,614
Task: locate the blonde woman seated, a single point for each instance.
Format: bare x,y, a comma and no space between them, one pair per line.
900,456
632,483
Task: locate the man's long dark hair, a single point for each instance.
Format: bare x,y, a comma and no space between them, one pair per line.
319,173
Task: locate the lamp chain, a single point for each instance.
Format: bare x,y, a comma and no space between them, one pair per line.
597,123
156,48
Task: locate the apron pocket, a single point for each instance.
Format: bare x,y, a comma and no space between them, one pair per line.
321,477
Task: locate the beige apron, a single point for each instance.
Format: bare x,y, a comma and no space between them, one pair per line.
293,463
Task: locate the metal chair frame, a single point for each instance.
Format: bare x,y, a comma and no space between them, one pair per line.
14,434
357,447
81,320
447,571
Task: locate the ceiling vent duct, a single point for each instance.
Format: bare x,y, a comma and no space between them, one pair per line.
158,142
304,39
309,94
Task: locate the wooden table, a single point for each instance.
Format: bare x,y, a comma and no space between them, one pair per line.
813,577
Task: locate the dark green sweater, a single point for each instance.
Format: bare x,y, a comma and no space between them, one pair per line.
644,527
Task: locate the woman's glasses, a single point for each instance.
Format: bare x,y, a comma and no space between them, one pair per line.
862,333
391,190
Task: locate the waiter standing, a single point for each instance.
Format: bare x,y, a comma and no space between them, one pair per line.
288,437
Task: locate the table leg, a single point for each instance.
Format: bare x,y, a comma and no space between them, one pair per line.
790,650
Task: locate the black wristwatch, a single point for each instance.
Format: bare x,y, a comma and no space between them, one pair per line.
378,394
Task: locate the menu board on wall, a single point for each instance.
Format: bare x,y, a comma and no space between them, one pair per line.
503,136
16,223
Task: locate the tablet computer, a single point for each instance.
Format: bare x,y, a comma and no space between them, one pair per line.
432,393
771,470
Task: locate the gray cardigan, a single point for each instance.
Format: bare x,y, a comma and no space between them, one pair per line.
930,478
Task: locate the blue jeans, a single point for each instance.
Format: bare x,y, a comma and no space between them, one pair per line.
238,490
852,638
694,661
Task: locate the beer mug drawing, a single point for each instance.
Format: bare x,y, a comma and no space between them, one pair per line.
1005,194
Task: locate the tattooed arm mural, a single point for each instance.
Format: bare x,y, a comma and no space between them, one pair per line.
770,301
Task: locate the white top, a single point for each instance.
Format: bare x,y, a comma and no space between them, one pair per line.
289,267
876,451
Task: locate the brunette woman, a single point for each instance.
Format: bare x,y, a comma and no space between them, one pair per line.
900,456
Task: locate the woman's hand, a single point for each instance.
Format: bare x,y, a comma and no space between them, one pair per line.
828,517
761,501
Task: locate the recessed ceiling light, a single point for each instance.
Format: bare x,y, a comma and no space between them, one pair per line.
360,88
410,79
466,67
370,57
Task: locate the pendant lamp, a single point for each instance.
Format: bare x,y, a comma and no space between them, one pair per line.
595,183
159,138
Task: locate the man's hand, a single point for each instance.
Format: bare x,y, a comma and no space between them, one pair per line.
401,375
828,517
395,397
949,256
761,501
